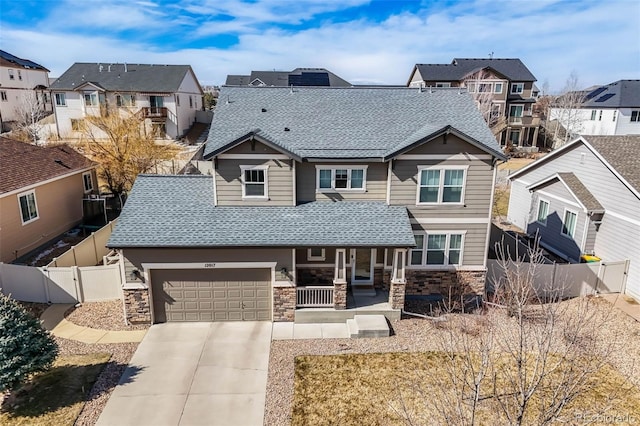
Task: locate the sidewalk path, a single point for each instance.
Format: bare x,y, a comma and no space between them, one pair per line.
54,321
625,303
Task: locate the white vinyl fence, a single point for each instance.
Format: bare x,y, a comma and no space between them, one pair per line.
62,284
88,252
570,280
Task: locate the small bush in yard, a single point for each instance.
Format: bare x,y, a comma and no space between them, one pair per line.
25,347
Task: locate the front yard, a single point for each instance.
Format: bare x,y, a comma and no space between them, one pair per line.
379,381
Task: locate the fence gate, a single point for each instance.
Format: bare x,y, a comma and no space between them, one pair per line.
613,276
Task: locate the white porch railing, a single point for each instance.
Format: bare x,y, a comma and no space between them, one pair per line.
314,296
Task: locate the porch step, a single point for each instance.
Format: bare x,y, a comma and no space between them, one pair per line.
368,326
363,290
328,315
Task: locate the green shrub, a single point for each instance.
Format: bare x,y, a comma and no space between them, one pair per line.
25,347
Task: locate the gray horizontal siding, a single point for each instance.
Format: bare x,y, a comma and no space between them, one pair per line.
475,239
229,184
306,183
252,148
452,146
477,197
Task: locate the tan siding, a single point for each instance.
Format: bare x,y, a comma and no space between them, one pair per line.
477,196
301,256
474,239
59,205
229,184
246,148
306,183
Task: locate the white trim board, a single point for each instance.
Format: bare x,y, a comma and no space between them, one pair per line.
444,220
555,197
468,157
253,157
44,182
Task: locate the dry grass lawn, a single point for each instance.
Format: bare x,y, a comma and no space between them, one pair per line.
501,202
377,389
57,396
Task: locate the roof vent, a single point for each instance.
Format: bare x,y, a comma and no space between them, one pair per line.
109,68
286,129
264,110
100,67
125,67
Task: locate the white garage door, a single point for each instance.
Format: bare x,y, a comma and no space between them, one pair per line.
211,295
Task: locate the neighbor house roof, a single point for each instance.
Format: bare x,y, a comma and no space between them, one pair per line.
23,164
178,211
460,68
576,187
354,122
9,60
124,77
619,94
297,77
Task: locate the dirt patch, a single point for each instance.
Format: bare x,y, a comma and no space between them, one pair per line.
103,315
33,308
54,249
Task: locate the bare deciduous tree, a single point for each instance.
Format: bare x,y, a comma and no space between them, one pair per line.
482,92
29,112
567,112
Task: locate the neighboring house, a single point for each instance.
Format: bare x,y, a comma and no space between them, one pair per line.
504,90
584,198
41,192
314,194
613,109
21,80
297,77
167,96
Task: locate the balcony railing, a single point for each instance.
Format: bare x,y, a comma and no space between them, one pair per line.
154,112
527,120
314,297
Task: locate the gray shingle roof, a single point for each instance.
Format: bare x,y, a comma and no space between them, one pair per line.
619,94
178,211
622,153
459,68
11,60
581,192
354,122
113,77
297,77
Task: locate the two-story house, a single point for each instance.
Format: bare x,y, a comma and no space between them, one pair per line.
166,96
613,109
504,91
584,198
41,193
318,77
21,81
314,197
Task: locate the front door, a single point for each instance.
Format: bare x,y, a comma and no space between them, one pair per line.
362,265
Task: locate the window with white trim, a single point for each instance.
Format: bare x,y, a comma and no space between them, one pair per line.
126,100
439,84
28,207
440,185
437,249
348,178
471,87
316,253
3,96
569,223
485,87
11,75
91,99
61,99
87,182
517,88
543,211
635,116
593,115
254,182
497,88
19,75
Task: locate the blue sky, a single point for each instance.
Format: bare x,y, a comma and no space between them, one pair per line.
362,41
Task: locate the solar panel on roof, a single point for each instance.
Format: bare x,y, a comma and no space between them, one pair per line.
605,97
309,79
595,93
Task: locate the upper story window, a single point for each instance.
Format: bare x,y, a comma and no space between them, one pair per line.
600,116
615,115
485,87
471,87
19,75
3,96
126,100
190,101
91,99
440,84
28,207
87,182
516,110
497,88
543,211
347,178
635,116
593,115
437,249
11,75
61,99
316,253
517,88
254,182
569,223
441,185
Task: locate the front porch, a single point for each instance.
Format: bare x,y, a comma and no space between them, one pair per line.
356,305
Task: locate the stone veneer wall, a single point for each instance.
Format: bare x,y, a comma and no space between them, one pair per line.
340,296
445,283
396,295
284,304
136,305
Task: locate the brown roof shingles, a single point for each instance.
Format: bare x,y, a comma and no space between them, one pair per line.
22,164
579,190
622,152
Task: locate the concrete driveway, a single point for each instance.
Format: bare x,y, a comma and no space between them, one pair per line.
194,374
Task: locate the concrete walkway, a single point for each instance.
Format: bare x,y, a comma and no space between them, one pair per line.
290,330
625,303
53,320
194,374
